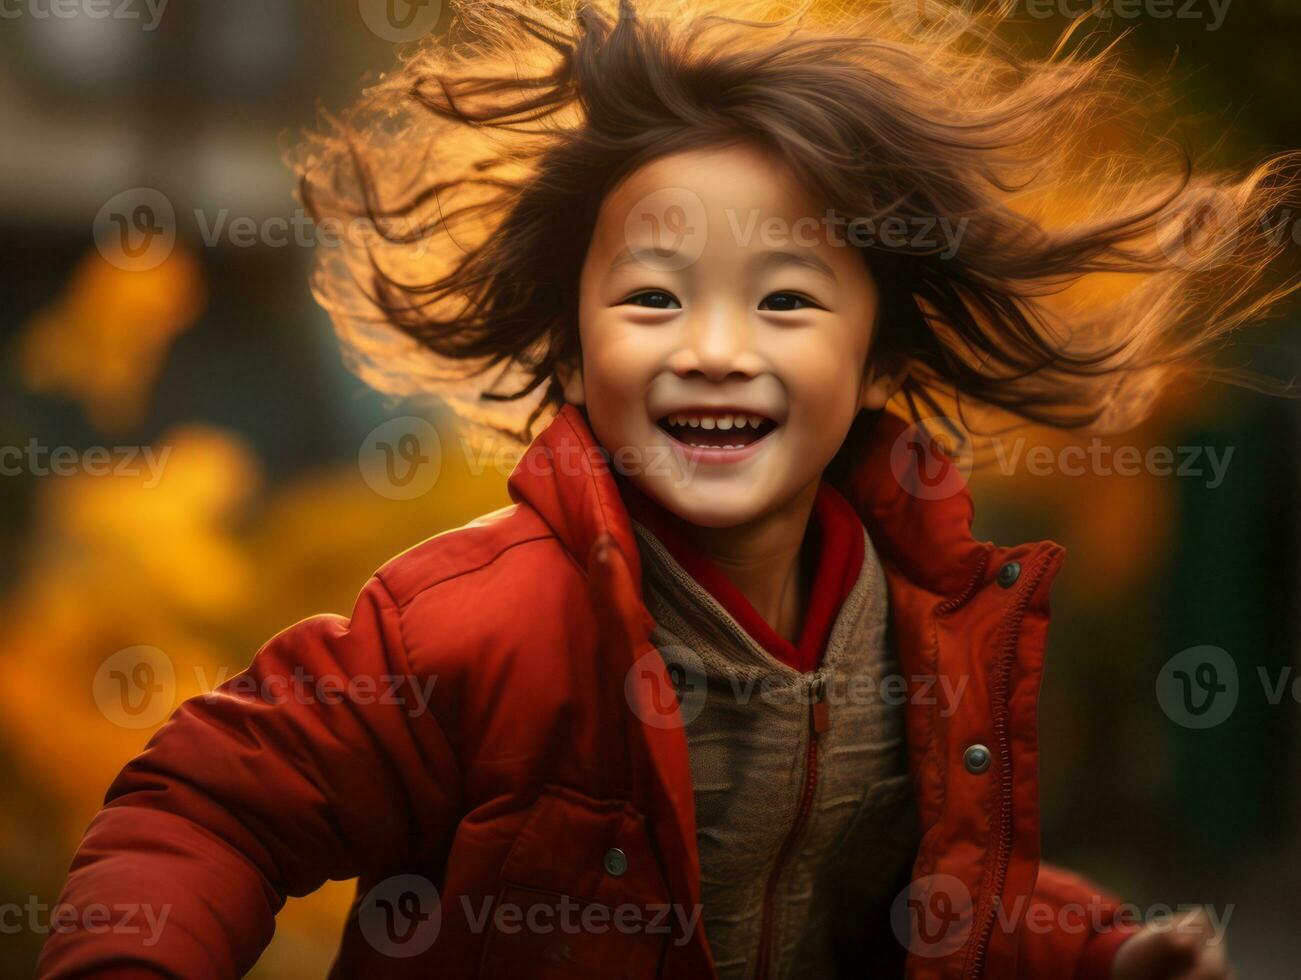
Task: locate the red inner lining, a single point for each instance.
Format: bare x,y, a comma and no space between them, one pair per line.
836,535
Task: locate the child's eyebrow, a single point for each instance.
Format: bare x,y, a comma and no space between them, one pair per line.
774,258
777,258
644,255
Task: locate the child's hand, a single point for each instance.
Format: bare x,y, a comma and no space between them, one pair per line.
1186,948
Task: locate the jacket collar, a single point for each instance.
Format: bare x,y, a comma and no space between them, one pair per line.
915,505
565,476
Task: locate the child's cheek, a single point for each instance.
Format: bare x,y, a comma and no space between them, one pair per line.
619,364
621,356
823,383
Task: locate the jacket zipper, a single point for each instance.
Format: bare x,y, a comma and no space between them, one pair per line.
1003,843
818,719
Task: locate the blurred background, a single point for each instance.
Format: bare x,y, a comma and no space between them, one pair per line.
259,509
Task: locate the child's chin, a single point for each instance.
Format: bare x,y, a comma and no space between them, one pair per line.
710,505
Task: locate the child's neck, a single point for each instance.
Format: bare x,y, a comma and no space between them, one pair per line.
762,558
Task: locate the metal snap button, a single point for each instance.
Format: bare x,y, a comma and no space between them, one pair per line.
976,758
1009,573
616,862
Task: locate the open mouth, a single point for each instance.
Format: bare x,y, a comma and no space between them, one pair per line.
716,429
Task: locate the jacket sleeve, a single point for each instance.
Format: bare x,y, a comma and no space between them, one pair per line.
321,761
1072,929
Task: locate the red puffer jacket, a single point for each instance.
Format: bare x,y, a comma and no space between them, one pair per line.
485,745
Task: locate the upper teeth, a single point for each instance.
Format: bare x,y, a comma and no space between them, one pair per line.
716,421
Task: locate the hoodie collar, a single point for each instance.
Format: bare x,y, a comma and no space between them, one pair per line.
915,505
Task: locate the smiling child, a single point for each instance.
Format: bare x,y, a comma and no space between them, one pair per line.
730,689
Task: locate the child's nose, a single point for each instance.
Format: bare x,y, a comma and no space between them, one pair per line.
718,343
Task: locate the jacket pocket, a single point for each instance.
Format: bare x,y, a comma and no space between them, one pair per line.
581,895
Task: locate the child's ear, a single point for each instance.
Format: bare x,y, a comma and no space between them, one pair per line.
880,382
571,382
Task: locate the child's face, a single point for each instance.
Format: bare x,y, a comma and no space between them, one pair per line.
750,311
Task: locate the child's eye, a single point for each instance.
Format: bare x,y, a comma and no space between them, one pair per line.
787,302
655,299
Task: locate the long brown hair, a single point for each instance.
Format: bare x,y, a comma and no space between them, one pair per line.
1085,279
